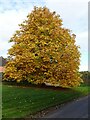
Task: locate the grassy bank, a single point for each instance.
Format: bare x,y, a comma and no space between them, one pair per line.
23,101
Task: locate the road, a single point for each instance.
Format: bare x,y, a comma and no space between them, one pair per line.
75,109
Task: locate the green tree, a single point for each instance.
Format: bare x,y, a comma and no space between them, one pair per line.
44,51
86,77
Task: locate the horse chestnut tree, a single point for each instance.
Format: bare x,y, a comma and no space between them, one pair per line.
44,51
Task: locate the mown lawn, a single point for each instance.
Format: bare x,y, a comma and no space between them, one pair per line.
20,102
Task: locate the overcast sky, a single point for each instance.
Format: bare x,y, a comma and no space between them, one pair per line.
74,14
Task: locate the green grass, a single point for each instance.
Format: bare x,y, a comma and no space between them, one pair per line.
22,101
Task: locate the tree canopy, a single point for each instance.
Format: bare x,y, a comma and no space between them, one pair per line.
44,51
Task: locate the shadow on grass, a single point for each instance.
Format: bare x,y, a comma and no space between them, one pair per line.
42,86
25,84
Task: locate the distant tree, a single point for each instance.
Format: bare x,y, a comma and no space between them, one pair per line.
85,77
44,51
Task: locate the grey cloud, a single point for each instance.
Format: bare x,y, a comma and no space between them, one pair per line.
18,4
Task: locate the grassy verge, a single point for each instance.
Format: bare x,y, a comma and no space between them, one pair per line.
22,101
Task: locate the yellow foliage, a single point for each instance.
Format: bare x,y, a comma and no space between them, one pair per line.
44,51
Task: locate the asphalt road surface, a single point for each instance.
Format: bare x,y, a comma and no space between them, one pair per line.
75,109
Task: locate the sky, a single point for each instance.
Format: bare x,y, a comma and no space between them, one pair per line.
74,14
